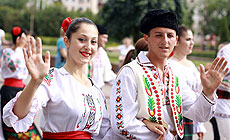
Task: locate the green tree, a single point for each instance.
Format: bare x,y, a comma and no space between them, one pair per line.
224,30
122,17
212,13
16,4
48,21
9,18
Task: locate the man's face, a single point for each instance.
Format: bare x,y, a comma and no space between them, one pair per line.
161,42
102,40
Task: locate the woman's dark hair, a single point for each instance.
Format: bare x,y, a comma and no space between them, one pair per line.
16,32
181,30
75,25
140,45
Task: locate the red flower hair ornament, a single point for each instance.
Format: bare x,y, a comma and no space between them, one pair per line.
65,24
16,31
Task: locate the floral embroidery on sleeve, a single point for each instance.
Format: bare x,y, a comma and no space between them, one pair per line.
11,64
49,77
119,114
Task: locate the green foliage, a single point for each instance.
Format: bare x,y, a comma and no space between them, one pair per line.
212,13
208,54
188,12
15,4
224,30
113,56
8,36
48,21
123,16
8,18
198,62
112,44
49,40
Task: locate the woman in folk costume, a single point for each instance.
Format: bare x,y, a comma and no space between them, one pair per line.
73,107
147,91
185,69
14,71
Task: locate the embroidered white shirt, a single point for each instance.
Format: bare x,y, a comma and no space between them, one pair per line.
67,106
202,110
223,105
13,64
192,78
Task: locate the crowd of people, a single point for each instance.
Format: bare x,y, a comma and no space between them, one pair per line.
156,94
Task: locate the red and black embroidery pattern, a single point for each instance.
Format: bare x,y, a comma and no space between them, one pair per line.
119,114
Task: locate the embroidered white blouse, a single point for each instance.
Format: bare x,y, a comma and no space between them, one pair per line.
13,64
125,113
67,106
192,78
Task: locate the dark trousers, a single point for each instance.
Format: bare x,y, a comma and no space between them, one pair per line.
215,128
7,93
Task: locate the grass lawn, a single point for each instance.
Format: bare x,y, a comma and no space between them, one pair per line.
198,62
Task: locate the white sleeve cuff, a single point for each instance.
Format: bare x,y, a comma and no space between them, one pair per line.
11,120
212,102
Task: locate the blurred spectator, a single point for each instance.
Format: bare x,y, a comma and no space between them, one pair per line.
222,114
100,68
61,51
140,45
3,41
213,41
123,49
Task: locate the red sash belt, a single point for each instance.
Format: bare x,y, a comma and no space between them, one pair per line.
12,82
223,94
67,135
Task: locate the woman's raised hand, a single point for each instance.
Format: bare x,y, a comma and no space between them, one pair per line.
37,67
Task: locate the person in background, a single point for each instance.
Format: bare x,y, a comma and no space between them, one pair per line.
3,41
222,114
100,68
140,45
73,106
61,51
185,69
123,49
147,91
14,71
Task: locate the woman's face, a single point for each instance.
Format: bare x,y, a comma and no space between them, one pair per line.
83,44
186,42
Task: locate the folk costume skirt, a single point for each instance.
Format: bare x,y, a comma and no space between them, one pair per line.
7,93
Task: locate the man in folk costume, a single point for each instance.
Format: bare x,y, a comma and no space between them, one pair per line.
222,114
147,93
